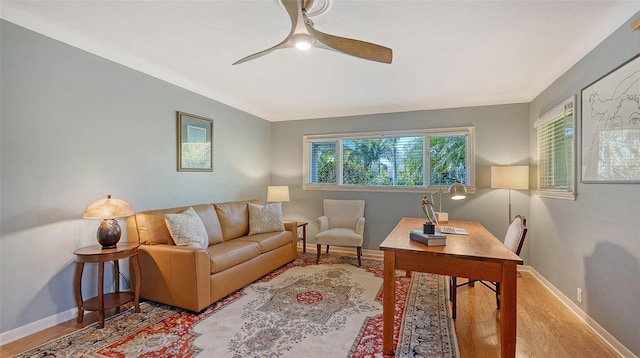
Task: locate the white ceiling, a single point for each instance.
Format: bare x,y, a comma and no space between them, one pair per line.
445,53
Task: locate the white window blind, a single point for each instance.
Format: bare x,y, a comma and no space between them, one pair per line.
556,151
412,160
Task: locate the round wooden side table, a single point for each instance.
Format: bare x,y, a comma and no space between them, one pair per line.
96,254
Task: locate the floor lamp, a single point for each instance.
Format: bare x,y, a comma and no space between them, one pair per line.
514,177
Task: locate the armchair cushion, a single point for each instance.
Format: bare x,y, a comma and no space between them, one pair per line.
267,218
187,229
339,237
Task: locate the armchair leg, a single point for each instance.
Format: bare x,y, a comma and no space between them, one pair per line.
319,248
359,255
327,248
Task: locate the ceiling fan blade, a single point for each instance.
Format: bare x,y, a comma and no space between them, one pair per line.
284,44
292,9
357,48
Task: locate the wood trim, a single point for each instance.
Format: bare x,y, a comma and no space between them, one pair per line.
635,26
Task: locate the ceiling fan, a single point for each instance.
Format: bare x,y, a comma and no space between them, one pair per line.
304,36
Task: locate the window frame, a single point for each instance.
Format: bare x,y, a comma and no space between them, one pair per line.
554,115
307,140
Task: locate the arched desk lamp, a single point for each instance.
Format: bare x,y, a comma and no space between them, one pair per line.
456,191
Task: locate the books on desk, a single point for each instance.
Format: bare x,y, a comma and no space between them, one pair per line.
436,239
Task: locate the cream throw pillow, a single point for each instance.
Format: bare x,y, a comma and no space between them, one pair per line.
267,218
187,229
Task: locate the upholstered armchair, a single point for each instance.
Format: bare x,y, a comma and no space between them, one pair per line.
342,225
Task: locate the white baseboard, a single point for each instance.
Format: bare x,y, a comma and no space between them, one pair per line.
348,251
595,327
37,326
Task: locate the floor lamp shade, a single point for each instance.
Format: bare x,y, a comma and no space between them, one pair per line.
512,177
277,193
515,177
109,210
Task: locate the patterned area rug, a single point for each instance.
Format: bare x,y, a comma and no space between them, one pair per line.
300,310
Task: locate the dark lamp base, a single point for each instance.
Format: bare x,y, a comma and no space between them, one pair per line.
108,233
428,228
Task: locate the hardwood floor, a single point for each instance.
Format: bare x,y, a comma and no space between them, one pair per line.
546,328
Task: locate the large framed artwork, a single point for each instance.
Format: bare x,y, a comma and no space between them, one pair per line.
611,126
195,143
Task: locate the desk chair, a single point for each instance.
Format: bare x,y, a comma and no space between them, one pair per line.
342,224
513,241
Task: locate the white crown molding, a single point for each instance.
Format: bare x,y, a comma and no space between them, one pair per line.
60,33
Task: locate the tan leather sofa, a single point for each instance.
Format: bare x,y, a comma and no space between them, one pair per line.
193,278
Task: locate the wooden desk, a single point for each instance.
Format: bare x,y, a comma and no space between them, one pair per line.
478,255
97,254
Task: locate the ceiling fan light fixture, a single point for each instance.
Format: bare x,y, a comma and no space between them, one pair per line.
302,41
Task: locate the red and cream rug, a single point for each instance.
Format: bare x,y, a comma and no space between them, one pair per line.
300,310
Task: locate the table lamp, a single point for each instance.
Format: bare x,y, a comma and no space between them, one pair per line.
514,177
277,193
456,191
109,210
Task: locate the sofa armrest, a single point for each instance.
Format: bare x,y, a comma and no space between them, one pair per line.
175,275
323,223
360,226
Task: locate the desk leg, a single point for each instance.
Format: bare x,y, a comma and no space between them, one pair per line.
101,294
508,312
77,289
388,302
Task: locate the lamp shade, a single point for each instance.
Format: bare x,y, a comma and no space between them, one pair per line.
278,193
457,191
510,177
108,208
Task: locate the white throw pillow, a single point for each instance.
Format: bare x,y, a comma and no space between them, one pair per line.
267,218
187,229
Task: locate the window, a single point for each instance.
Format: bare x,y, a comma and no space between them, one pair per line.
389,161
556,151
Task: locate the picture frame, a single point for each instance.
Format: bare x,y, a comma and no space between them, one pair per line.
610,126
195,143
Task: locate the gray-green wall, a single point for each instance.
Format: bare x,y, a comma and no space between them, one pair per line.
76,127
592,243
502,137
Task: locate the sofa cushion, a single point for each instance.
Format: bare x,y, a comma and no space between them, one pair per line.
187,229
265,218
234,218
210,220
230,253
268,241
152,228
